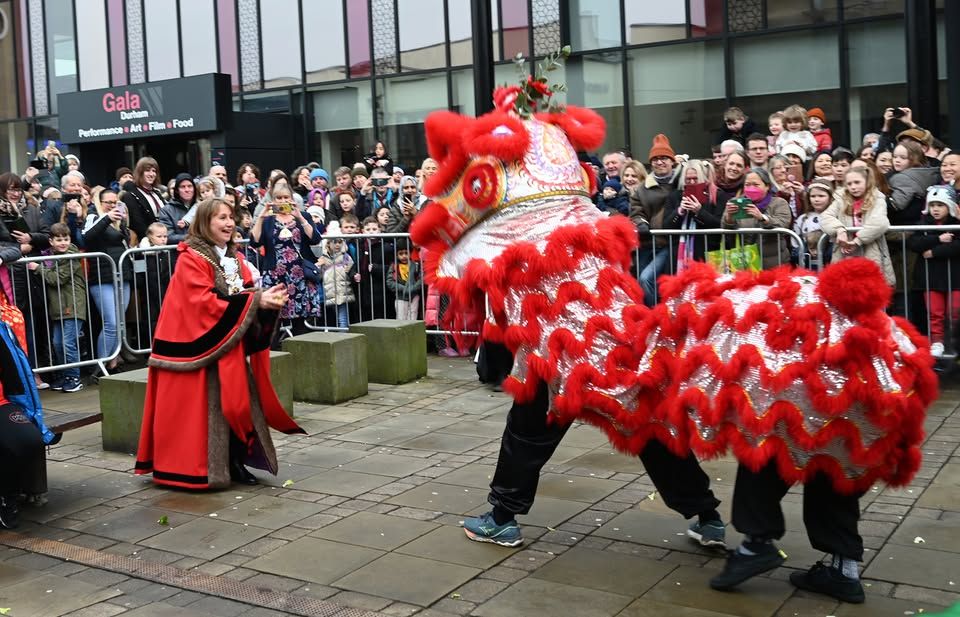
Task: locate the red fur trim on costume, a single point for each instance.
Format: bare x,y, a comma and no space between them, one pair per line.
585,128
444,130
591,175
855,286
485,136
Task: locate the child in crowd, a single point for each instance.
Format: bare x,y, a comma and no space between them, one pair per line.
775,124
807,225
817,123
795,132
383,216
338,271
861,206
405,281
374,259
613,199
343,184
153,274
66,304
736,126
938,272
348,205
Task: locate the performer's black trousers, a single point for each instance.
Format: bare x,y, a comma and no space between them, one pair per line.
21,450
830,518
529,442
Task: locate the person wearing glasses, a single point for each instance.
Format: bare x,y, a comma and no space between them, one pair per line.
375,194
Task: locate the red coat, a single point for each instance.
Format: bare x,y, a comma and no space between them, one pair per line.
824,140
200,386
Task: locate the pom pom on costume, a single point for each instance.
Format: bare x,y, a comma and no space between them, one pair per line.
778,365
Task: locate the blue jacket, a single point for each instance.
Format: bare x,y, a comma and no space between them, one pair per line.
26,398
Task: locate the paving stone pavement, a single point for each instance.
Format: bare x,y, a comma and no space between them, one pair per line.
365,515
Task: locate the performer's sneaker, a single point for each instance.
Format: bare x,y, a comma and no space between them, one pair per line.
829,581
485,529
712,534
9,512
740,567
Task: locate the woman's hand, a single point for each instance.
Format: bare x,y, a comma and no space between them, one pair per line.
689,203
946,237
274,298
115,215
754,211
267,210
729,211
21,237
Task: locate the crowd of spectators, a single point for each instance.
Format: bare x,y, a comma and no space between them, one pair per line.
839,200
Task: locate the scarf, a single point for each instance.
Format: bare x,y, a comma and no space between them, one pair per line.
685,246
11,210
763,203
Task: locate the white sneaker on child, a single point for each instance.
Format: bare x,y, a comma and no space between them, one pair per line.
936,350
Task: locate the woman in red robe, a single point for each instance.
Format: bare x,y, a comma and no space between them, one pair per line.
207,409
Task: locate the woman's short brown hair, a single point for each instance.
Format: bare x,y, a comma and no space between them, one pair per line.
206,210
143,166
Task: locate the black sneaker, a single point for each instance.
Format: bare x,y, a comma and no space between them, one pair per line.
829,581
72,384
740,567
9,512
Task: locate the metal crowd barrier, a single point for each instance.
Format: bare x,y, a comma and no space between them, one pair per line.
910,297
33,295
148,271
709,240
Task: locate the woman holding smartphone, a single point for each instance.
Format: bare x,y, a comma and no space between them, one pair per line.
107,231
693,206
404,208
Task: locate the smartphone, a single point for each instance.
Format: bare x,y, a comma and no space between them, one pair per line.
742,203
698,191
68,197
898,112
795,172
121,208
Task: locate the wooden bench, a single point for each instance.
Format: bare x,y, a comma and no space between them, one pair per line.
59,422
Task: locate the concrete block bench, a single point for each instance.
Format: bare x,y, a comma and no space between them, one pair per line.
122,397
396,350
329,367
121,403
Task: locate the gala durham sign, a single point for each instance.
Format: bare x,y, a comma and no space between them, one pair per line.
188,105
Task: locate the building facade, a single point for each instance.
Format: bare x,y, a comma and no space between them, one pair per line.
322,79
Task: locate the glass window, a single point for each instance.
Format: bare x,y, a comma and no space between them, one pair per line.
422,37
793,13
199,51
358,38
678,89
163,48
463,92
326,55
877,57
270,102
342,123
648,22
853,9
92,43
61,53
227,39
706,17
118,42
402,104
596,82
795,62
280,43
594,24
15,149
461,35
516,28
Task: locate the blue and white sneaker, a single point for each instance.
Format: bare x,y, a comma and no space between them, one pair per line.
485,529
712,534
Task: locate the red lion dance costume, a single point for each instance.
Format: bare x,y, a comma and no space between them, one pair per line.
779,365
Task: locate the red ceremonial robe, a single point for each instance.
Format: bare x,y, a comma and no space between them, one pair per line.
200,386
